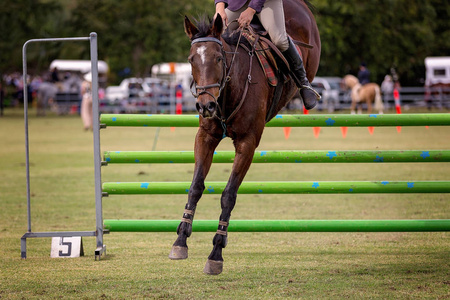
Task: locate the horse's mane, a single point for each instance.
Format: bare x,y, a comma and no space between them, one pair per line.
204,24
311,6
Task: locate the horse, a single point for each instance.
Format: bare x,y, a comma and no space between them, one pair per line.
368,93
233,100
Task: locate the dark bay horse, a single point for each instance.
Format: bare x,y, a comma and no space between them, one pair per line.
233,98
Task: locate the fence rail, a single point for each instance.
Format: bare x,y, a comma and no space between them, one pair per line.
133,120
342,156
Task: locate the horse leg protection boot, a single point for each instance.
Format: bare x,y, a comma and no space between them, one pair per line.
298,74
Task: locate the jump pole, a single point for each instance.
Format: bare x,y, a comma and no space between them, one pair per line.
326,156
280,187
283,225
142,120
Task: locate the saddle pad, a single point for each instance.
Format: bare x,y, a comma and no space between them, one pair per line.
264,56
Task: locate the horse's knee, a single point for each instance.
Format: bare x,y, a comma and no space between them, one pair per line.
196,190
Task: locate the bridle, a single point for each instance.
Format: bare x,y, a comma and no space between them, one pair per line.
198,90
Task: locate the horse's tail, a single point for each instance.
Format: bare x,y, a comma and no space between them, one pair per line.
379,106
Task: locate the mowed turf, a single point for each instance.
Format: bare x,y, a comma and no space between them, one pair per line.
257,265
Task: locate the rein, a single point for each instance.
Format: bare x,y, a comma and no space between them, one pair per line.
197,90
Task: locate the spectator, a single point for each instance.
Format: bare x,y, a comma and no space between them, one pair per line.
55,76
387,88
86,101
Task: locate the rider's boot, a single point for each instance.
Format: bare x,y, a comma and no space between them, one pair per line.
310,97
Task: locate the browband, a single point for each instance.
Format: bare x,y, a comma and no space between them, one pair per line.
206,39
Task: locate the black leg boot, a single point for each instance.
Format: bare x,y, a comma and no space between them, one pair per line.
298,74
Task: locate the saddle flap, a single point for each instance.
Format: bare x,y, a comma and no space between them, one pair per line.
266,52
264,55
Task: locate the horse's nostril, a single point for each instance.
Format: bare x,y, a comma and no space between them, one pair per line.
199,107
211,106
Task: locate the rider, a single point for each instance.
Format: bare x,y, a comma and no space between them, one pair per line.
363,74
271,16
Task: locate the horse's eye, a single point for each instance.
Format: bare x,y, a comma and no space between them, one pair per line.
219,59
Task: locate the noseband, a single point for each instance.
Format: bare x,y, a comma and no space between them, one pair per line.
198,90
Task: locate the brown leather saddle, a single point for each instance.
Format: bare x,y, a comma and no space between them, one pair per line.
272,61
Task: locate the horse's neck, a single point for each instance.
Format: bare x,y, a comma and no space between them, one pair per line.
238,70
237,67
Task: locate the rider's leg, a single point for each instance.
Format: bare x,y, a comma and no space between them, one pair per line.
272,18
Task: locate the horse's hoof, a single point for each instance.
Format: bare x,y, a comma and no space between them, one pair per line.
178,252
213,267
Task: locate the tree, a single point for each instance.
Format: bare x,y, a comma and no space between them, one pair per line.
134,35
383,33
22,20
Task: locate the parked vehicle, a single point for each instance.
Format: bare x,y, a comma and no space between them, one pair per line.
80,67
437,70
128,88
437,82
177,74
330,90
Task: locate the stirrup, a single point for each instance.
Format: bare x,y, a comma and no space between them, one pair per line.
310,88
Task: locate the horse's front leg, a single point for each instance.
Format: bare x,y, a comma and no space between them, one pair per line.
242,162
369,106
204,152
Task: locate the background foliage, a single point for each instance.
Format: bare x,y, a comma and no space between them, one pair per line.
134,35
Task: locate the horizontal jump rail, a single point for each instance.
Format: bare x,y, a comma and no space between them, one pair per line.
281,187
343,156
283,225
158,120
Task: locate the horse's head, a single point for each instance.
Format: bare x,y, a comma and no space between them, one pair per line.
349,81
208,62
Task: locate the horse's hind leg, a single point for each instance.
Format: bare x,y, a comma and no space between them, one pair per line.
204,152
242,162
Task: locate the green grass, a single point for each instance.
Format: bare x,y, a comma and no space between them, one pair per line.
257,265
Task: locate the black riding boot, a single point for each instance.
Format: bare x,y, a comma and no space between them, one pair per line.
298,73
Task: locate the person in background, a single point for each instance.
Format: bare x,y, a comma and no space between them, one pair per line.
55,75
86,101
387,88
363,74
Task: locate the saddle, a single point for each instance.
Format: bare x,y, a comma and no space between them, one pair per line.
269,56
272,61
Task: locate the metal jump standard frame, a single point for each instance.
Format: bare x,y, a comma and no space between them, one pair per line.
98,232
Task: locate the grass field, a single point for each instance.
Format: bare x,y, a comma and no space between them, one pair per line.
257,265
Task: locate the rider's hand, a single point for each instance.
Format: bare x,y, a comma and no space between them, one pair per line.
220,9
246,17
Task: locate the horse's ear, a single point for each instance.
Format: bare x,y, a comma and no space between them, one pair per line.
189,28
217,28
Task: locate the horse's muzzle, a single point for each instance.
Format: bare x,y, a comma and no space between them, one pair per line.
207,110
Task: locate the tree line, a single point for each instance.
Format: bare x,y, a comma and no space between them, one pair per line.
135,34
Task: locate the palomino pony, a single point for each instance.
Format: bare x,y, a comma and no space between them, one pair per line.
368,93
233,98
